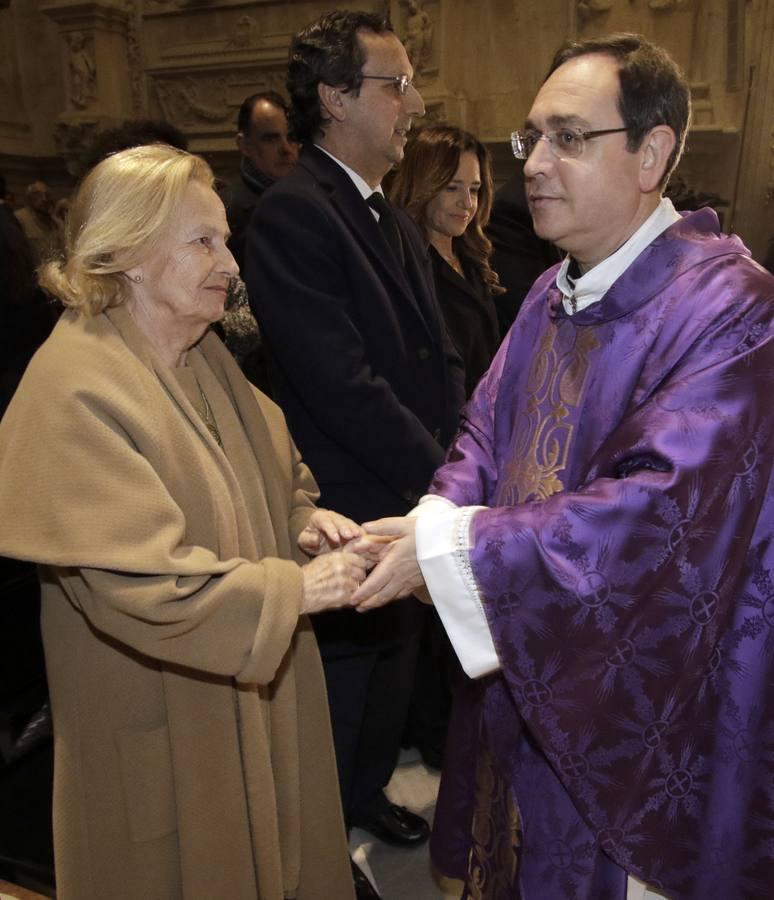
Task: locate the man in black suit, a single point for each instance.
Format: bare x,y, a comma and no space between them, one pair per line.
359,360
267,155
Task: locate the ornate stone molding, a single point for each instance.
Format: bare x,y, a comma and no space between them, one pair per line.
667,5
188,101
418,36
588,9
87,15
94,60
135,54
82,70
198,103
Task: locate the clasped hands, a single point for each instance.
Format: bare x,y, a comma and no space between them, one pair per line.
343,553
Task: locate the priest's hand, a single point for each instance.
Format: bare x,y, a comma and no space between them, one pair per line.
330,580
327,530
398,573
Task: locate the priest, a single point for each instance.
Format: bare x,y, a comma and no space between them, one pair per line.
598,542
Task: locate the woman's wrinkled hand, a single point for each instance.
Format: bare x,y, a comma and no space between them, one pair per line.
330,580
327,530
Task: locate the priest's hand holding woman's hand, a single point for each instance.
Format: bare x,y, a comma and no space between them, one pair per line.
398,573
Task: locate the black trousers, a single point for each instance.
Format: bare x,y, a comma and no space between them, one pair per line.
436,674
369,695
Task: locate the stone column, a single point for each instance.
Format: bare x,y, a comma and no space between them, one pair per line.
95,69
752,216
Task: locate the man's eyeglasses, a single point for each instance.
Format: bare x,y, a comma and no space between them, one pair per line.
402,82
566,143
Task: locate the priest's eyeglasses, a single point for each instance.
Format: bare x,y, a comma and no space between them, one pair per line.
401,82
565,143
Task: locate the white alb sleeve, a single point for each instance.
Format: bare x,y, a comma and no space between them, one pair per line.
443,545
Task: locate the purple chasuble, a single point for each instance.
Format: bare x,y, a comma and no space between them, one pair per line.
626,569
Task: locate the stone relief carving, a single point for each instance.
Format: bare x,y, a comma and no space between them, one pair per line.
243,34
587,9
418,40
134,54
178,4
83,71
667,4
189,102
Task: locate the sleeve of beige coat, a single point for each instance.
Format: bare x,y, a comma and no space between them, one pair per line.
79,486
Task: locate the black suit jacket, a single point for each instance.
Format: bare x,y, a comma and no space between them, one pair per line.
519,255
240,199
470,315
359,357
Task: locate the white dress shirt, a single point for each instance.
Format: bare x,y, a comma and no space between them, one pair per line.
360,183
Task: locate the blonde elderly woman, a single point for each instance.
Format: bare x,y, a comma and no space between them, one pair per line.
168,509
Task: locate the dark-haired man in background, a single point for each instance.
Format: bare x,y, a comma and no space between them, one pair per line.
600,541
267,155
359,361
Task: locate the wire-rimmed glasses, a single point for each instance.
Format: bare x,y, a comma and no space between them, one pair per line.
402,82
565,143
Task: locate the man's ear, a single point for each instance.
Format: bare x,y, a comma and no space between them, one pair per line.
656,148
240,142
331,101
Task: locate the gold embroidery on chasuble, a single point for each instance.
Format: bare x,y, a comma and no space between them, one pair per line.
493,863
555,386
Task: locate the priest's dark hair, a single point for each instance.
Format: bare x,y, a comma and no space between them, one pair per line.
326,52
653,90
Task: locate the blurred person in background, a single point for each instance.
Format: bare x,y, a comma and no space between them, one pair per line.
37,220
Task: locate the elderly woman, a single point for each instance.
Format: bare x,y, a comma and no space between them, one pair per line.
445,184
167,507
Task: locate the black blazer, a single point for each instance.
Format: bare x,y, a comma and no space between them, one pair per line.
359,358
470,315
240,199
519,255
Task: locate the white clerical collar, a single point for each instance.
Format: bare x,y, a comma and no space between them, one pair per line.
591,287
360,183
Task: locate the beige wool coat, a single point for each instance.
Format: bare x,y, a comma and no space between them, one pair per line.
193,755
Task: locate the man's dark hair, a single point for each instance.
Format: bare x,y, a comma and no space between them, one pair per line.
3,186
244,116
653,89
327,51
133,133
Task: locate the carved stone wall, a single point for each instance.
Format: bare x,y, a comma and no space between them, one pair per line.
71,67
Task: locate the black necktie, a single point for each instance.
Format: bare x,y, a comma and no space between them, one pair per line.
387,224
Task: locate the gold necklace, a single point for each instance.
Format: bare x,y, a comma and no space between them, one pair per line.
209,418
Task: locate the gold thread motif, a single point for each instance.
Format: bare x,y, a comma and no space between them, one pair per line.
493,862
555,386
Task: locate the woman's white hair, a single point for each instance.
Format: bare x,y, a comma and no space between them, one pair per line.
125,205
